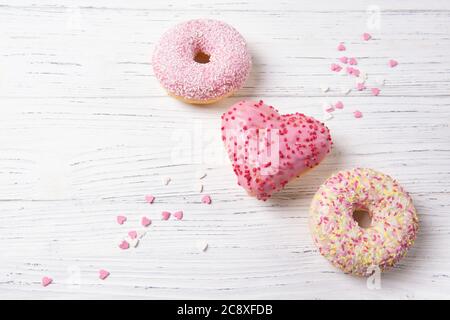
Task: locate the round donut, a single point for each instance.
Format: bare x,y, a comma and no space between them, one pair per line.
201,61
340,239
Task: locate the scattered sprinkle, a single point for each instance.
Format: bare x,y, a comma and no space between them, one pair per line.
200,187
165,215
343,60
352,61
201,175
103,274
134,242
341,47
324,88
335,67
201,245
366,36
353,71
145,222
178,215
124,245
346,91
393,63
327,116
121,219
360,86
357,114
46,281
339,105
363,75
149,198
329,108
132,234
166,180
375,91
206,199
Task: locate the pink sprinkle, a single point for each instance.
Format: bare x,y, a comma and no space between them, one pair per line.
121,219
124,245
343,60
353,71
393,63
357,114
149,198
132,234
329,109
339,105
375,91
366,36
178,215
46,281
360,86
356,72
145,222
103,274
165,215
352,61
335,67
341,47
206,199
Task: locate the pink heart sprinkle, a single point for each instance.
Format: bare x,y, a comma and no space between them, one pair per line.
132,234
103,274
149,198
352,61
357,114
206,199
124,245
145,222
356,72
165,215
330,108
343,60
341,47
366,36
360,86
46,281
178,215
375,91
335,67
121,219
393,63
339,105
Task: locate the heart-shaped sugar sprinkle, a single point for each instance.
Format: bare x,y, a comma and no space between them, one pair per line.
178,215
121,219
46,281
149,199
393,63
206,199
124,245
132,234
165,215
103,274
145,222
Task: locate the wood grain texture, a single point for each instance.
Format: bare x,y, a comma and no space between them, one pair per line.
86,132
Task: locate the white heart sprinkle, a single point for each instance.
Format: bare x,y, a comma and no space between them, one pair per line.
166,180
202,245
324,88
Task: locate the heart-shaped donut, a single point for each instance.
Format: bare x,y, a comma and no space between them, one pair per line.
267,149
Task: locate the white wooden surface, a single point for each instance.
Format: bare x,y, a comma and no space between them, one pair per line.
86,132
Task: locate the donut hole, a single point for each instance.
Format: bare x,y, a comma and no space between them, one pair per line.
363,218
201,57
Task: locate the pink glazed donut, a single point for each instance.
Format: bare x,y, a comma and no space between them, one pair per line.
361,249
201,61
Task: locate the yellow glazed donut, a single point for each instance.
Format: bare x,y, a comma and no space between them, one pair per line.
347,245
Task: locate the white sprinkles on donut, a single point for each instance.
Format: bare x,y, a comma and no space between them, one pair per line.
201,61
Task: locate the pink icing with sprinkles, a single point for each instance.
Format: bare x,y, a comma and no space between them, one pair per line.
340,239
175,66
267,149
